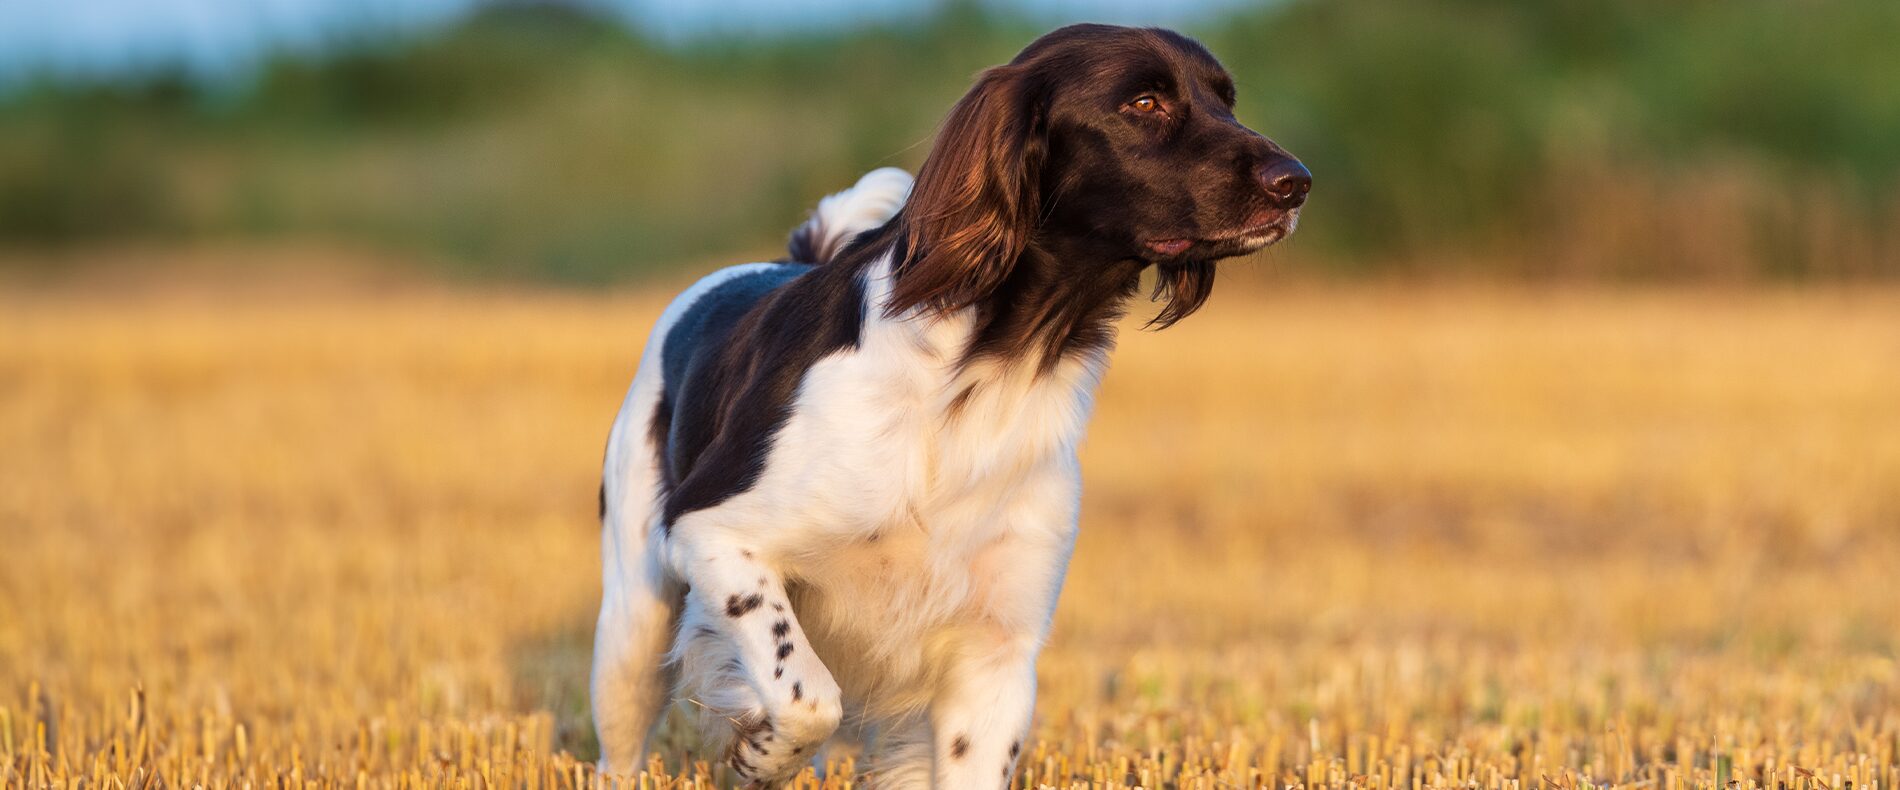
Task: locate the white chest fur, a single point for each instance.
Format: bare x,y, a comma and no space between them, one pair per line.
918,502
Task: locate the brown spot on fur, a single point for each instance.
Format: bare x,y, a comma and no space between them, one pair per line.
740,607
960,746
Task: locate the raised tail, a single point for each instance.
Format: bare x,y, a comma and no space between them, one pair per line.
866,205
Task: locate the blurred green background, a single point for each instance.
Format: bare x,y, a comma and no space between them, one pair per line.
1615,139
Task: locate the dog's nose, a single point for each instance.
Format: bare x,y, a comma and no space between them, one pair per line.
1286,181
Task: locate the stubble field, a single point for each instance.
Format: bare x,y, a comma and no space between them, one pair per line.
1379,537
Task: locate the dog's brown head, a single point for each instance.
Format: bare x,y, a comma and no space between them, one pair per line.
1097,143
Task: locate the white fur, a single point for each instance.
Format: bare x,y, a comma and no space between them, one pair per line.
867,204
917,548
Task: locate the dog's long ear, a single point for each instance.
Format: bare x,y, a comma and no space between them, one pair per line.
975,201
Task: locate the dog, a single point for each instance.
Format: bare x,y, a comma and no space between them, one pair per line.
846,484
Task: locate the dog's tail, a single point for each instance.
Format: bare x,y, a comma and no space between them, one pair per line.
866,205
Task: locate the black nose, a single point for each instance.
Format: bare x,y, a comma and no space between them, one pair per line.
1286,181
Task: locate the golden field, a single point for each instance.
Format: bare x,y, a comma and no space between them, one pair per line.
1374,537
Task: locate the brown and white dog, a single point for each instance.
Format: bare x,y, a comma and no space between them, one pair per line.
846,485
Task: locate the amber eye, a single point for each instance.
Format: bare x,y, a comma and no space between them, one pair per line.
1145,104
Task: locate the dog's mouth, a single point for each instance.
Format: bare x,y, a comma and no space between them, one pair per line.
1264,229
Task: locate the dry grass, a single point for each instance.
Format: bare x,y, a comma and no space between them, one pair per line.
1370,538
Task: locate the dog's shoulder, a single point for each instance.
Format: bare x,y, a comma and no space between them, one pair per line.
733,364
716,310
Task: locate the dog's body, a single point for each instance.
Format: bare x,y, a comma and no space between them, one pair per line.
852,483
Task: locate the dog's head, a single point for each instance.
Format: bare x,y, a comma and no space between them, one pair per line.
1103,143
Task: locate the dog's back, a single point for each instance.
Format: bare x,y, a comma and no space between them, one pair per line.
745,336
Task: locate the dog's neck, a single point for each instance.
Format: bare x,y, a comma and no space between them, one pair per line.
1062,299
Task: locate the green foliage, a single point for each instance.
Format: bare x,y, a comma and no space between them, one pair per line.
536,141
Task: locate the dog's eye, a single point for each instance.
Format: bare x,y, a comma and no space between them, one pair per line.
1145,104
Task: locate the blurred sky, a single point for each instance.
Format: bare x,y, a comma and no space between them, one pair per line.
222,38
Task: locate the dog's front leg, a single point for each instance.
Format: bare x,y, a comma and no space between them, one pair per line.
743,599
980,716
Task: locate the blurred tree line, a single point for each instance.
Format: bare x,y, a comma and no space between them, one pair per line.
1594,138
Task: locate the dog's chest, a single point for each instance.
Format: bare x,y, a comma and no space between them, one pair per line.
896,434
933,474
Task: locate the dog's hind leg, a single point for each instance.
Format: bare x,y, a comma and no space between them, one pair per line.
631,678
640,603
899,757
